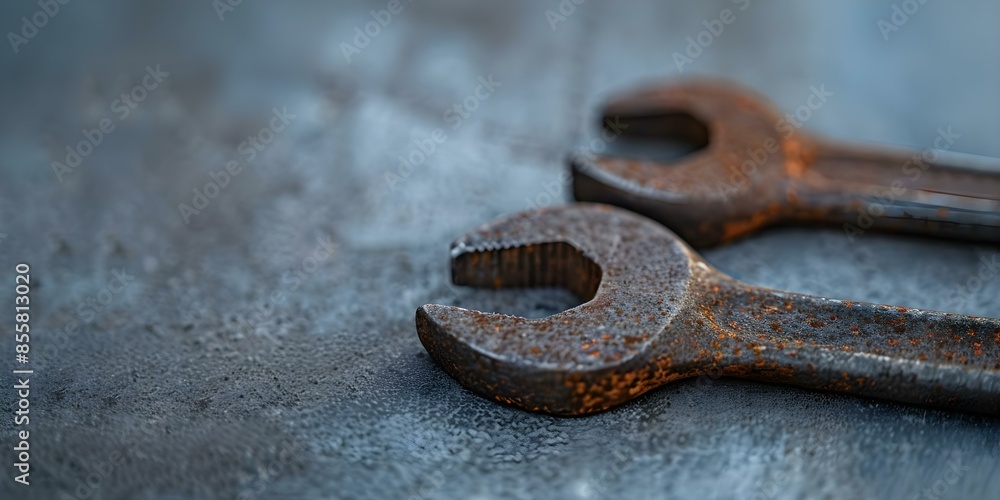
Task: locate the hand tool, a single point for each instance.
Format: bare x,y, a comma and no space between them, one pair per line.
657,313
756,168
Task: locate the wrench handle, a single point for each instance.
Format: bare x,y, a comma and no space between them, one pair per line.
887,352
897,191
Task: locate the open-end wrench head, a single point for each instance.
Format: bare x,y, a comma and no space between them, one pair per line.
659,313
582,359
728,187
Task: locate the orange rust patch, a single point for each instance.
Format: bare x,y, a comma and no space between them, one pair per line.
893,342
734,229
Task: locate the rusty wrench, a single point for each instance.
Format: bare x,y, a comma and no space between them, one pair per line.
756,168
658,312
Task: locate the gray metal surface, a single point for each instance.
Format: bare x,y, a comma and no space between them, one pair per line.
189,384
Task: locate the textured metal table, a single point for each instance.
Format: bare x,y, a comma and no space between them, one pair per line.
226,259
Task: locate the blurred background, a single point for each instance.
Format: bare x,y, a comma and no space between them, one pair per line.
255,339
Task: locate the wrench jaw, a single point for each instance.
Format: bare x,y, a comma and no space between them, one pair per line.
733,185
588,358
472,347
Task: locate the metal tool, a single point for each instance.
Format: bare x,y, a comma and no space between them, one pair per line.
757,168
658,313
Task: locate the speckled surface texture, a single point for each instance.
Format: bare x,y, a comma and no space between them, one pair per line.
190,382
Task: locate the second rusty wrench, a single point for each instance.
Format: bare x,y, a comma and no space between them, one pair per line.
755,168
